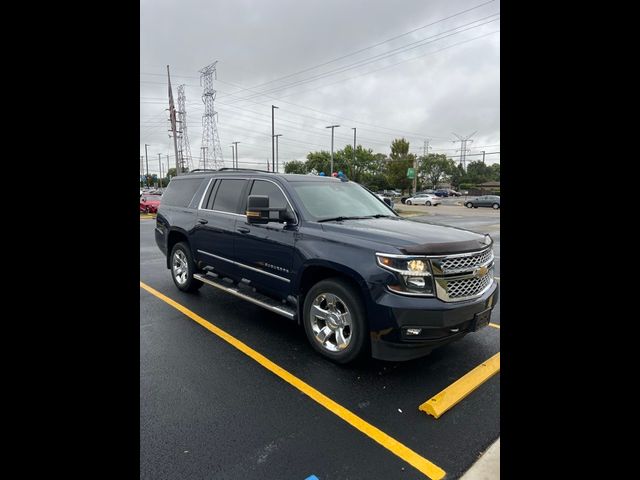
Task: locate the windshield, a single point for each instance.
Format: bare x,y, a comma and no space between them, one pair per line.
324,200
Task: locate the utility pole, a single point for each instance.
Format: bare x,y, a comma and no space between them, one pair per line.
415,175
141,166
277,158
159,168
273,152
332,127
167,171
161,176
482,156
233,156
237,158
172,117
463,147
146,156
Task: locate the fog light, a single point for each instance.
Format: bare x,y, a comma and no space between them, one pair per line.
417,282
414,331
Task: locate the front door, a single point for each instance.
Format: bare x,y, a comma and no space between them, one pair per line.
264,252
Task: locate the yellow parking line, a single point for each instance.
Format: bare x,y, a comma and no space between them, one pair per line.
405,453
462,387
494,325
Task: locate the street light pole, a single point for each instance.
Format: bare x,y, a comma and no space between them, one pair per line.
159,168
332,127
273,153
354,151
277,157
233,156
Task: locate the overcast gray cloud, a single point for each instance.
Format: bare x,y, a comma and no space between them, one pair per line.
450,82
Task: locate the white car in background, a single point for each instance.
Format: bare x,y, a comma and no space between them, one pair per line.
423,199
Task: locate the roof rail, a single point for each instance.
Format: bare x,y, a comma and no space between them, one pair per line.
201,170
227,169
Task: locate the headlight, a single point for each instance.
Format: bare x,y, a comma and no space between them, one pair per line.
413,273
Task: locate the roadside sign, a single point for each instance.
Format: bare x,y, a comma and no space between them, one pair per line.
411,173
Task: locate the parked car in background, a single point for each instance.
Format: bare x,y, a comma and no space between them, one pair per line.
442,192
453,193
387,200
492,201
423,199
150,203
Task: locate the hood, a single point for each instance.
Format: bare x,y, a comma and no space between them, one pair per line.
411,238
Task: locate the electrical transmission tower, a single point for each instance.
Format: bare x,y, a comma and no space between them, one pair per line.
184,147
212,151
463,147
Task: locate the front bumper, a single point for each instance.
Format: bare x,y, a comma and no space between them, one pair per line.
440,322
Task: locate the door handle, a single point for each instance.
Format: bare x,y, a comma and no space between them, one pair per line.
243,229
203,221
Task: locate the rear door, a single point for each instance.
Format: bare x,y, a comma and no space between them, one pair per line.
215,227
265,252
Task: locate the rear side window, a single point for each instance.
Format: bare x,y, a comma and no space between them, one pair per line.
228,196
180,191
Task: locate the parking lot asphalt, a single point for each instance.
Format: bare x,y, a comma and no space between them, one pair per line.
207,410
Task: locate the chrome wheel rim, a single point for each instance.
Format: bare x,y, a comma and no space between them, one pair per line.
331,322
180,268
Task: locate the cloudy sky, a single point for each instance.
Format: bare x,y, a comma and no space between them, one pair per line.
419,69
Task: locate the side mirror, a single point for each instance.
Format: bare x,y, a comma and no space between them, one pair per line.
259,212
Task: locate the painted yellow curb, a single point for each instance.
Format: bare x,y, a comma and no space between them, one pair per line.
462,387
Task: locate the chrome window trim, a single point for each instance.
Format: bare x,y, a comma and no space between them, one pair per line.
204,194
245,266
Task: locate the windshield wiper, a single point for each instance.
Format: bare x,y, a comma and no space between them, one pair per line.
339,219
380,215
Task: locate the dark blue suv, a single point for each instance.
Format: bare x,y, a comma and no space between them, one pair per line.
330,255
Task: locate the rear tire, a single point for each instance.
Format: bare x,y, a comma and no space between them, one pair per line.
468,204
183,268
408,202
428,204
496,206
337,329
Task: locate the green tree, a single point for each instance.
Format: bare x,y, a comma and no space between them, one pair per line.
457,176
295,166
171,172
365,162
478,172
399,162
436,167
495,172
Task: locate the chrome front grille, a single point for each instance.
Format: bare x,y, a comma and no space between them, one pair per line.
462,263
468,287
463,276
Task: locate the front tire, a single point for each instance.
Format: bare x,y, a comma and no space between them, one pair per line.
496,206
428,204
183,268
468,204
408,202
334,320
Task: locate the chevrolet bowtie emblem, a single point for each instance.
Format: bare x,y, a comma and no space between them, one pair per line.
480,272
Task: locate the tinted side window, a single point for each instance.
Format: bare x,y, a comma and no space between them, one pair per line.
276,198
180,191
228,196
210,195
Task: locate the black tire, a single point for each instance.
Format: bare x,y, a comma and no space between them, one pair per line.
428,204
358,331
146,210
189,284
468,204
408,202
496,206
